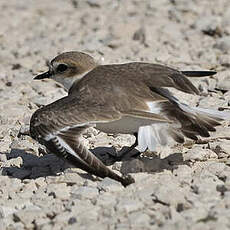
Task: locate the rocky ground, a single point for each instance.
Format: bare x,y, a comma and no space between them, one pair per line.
179,187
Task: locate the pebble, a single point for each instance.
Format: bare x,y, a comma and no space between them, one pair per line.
139,219
200,154
128,206
224,84
84,192
223,44
209,25
27,217
6,211
109,185
61,191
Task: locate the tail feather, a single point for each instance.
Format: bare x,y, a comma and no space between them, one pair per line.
190,135
198,73
208,125
219,115
176,135
190,122
202,120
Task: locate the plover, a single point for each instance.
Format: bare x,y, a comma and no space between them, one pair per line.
131,98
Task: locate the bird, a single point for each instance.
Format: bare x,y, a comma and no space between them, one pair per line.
131,98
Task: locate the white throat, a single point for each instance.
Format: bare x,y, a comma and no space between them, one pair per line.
67,82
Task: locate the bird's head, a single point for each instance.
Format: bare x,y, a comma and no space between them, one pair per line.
68,67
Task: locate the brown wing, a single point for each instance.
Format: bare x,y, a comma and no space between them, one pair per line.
155,75
59,127
162,76
151,75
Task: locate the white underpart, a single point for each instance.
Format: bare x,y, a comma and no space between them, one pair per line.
146,139
67,82
150,136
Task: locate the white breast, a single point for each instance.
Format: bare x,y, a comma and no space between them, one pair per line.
126,124
149,132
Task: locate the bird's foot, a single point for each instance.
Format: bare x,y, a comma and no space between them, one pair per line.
109,155
127,180
128,153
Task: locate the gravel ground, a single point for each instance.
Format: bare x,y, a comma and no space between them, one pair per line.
179,187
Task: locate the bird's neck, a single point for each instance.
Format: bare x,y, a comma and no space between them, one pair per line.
69,81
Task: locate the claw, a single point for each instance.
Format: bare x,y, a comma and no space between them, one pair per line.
127,180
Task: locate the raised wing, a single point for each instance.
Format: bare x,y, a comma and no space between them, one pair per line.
59,127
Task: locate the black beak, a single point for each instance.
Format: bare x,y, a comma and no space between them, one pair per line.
43,75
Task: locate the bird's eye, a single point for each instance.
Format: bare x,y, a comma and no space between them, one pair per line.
62,68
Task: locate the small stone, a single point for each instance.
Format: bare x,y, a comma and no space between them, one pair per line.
40,223
40,182
17,162
60,191
223,44
222,189
21,202
24,130
199,154
2,224
218,169
139,219
195,215
85,210
72,220
160,194
108,184
139,35
184,172
209,25
63,217
224,84
3,157
106,200
84,192
128,205
9,83
94,3
28,216
225,60
16,66
39,101
6,211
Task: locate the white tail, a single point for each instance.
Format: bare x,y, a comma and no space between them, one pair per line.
157,134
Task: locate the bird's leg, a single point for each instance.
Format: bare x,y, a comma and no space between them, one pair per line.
129,153
109,158
125,154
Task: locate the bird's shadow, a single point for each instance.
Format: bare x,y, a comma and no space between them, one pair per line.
24,165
